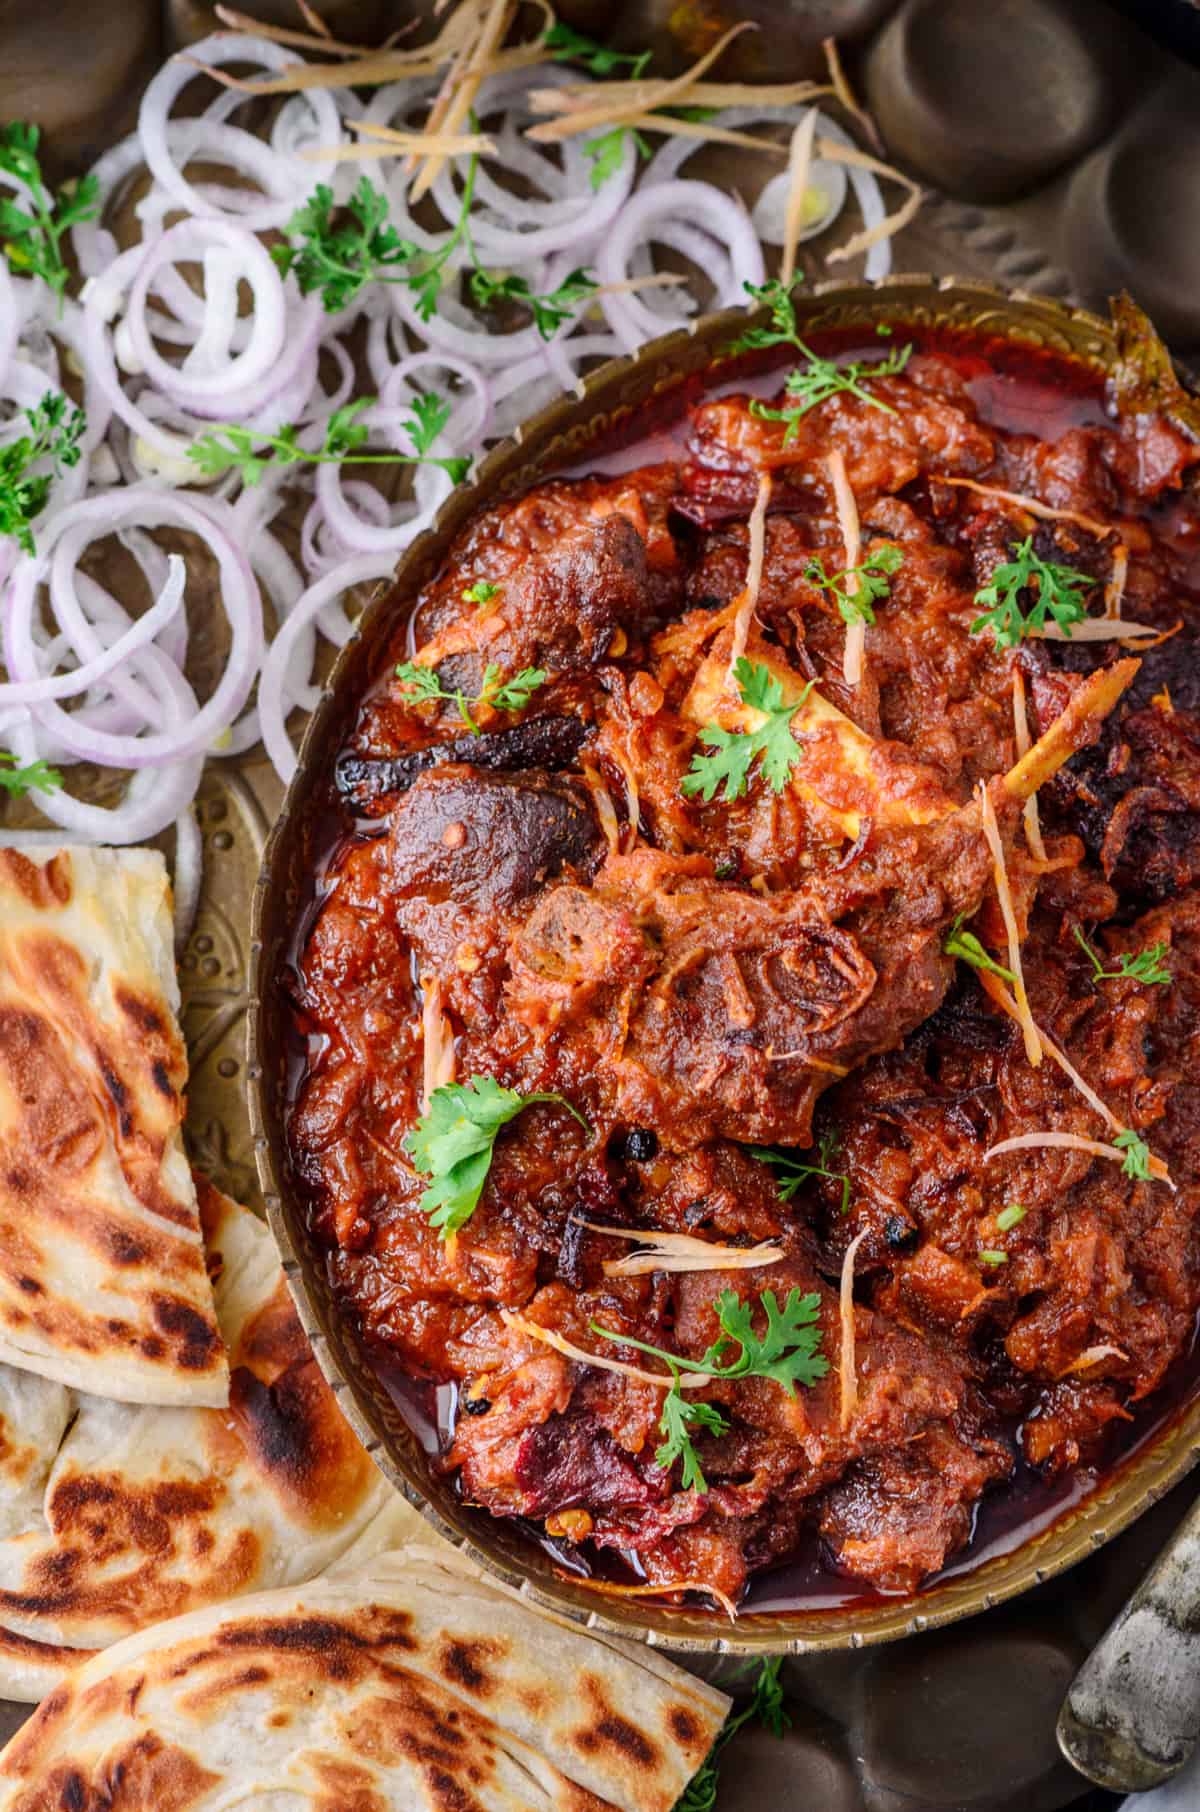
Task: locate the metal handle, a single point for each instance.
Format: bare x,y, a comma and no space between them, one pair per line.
1132,1716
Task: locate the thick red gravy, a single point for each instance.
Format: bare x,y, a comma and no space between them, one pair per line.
546,904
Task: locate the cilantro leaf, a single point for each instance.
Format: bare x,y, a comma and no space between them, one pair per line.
482,592
342,250
17,780
790,1171
819,378
429,416
966,948
422,686
548,311
32,236
872,583
1059,593
229,448
454,1140
783,330
607,149
566,45
679,1416
513,694
735,751
788,1352
55,431
1137,1155
1148,965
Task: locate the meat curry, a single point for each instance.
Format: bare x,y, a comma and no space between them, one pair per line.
752,1005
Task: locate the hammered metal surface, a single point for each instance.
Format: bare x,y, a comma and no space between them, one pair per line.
559,437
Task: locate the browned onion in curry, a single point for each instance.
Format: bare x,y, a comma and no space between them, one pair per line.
697,978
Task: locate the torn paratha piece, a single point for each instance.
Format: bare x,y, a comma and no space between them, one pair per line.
102,1277
409,1682
115,1516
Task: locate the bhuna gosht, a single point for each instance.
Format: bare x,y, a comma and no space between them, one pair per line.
752,1003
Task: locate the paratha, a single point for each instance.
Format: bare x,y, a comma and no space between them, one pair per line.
102,1277
410,1683
115,1515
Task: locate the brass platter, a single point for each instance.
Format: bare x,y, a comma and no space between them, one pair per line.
560,436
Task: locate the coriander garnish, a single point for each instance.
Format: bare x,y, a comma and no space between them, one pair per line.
34,776
967,948
32,233
788,1353
252,453
55,430
548,311
820,378
422,686
482,592
606,150
566,45
1137,1155
453,1143
340,251
791,1171
1146,965
735,751
871,578
1059,594
339,260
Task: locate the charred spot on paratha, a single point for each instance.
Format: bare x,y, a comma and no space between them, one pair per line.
609,1730
465,1664
196,1344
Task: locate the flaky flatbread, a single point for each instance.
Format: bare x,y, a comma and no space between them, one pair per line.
115,1515
406,1686
102,1278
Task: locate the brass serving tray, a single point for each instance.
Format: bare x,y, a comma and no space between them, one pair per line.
560,436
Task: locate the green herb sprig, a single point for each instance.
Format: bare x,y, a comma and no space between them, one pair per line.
872,579
32,235
966,947
1059,593
341,250
482,592
1148,965
819,379
766,1707
787,1352
1137,1155
772,745
422,686
606,149
566,45
791,1171
230,448
454,1141
548,311
55,432
35,776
